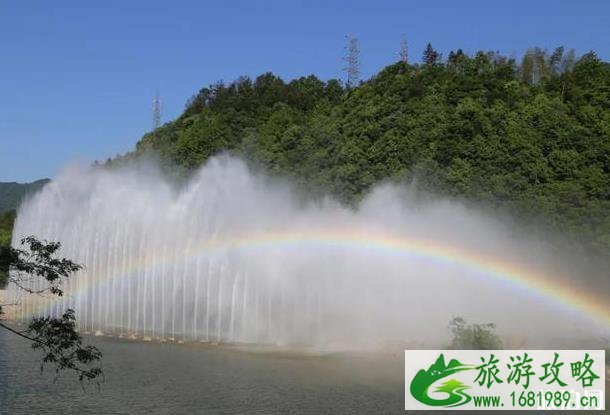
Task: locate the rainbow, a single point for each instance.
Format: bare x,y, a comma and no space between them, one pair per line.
555,290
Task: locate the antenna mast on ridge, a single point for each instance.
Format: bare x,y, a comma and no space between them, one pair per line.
352,60
404,49
156,112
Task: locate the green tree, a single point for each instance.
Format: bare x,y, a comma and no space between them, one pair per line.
473,336
7,220
56,338
431,56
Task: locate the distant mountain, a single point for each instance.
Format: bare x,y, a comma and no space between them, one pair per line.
12,193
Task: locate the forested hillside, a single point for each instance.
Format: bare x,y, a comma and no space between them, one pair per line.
531,137
12,193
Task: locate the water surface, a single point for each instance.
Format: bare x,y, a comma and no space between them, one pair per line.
183,379
163,378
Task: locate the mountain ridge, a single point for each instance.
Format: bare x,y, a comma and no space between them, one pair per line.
12,193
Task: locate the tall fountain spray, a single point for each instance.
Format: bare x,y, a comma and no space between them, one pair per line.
234,257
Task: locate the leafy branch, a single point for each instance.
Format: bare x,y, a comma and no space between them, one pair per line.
56,338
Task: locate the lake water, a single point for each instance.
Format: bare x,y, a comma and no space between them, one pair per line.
184,379
195,379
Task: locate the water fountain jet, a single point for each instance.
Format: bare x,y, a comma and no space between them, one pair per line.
235,258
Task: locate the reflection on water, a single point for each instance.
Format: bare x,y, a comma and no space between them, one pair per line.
169,378
194,379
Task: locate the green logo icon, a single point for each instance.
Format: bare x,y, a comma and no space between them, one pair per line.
424,379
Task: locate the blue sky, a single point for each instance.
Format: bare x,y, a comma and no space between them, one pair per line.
77,77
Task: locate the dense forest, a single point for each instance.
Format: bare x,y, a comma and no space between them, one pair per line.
528,137
531,136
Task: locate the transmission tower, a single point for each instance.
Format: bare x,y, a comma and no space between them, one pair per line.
156,112
404,49
352,61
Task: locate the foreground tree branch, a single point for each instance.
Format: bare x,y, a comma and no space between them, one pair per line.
56,338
